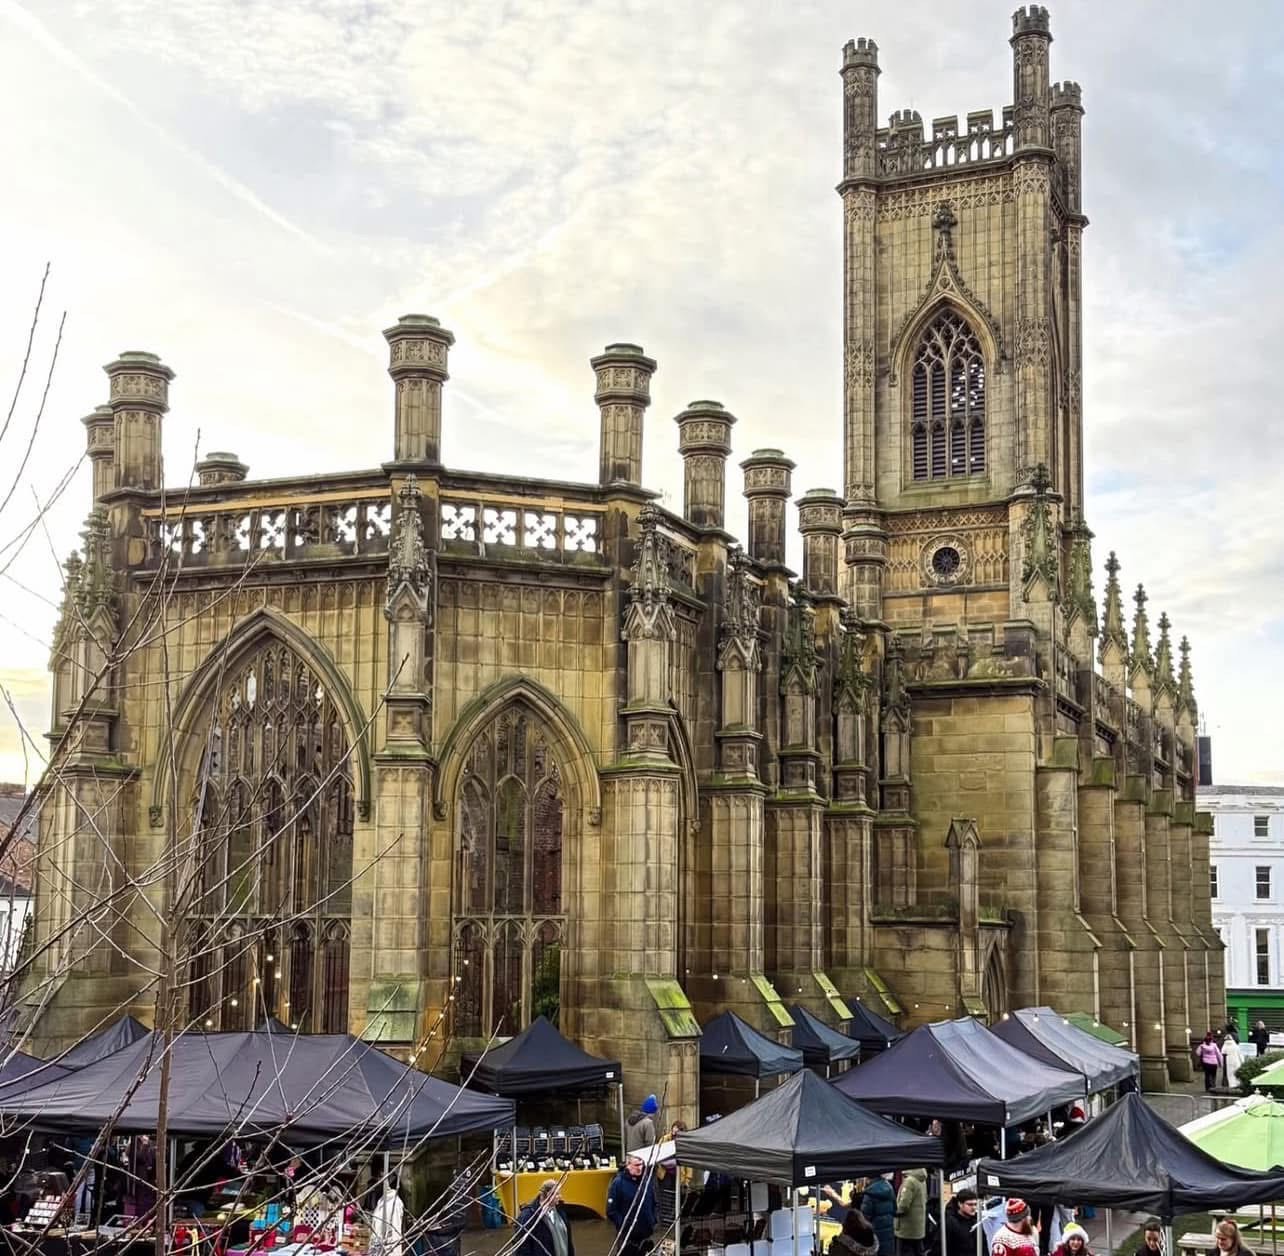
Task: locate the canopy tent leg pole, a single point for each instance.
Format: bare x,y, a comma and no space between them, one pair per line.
940,1199
980,1215
1050,1133
793,1219
619,1103
1003,1142
1110,1238
677,1210
1169,1249
757,1087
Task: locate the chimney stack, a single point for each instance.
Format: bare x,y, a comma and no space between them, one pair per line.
704,441
139,400
623,393
417,350
220,468
820,520
100,440
768,476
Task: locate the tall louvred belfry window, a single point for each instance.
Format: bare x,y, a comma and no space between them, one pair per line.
509,921
270,924
947,403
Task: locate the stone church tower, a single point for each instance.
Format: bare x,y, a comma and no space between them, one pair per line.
421,752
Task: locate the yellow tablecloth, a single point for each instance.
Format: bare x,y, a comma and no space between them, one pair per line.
586,1187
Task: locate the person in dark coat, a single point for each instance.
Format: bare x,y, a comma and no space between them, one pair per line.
1260,1037
543,1228
878,1206
630,1206
857,1237
960,1225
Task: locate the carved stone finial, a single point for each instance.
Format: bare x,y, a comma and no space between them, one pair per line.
1164,657
798,658
649,613
1039,559
69,611
96,589
1113,631
1080,602
1185,680
738,634
1140,655
850,679
410,573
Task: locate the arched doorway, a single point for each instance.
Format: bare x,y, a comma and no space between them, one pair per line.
269,928
509,918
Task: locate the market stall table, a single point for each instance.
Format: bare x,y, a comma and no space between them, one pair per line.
586,1188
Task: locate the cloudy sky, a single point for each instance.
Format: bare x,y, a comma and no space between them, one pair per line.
254,188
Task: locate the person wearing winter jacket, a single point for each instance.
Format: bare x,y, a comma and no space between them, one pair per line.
1016,1237
630,1206
960,1225
878,1207
1260,1037
911,1214
543,1227
857,1237
1074,1241
639,1129
1209,1055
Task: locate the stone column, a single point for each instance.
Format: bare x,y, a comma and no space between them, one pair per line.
704,441
418,346
623,393
139,400
1067,123
1149,1039
1032,185
100,441
1068,952
795,923
1115,1003
1159,904
768,475
849,865
220,468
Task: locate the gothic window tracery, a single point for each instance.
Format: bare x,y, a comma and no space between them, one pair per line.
509,912
947,401
270,919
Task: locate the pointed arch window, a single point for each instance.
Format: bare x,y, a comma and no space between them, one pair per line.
947,401
269,926
509,911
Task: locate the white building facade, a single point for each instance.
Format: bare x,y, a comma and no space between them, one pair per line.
1246,876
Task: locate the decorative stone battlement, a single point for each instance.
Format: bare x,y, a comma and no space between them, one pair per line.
482,527
860,52
903,149
1031,19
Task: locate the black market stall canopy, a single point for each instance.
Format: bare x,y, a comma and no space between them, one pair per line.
869,1029
107,1041
270,1025
538,1061
21,1072
820,1044
1130,1157
958,1070
805,1133
311,1088
729,1046
1050,1037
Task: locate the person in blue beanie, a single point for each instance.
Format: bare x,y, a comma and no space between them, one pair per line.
639,1129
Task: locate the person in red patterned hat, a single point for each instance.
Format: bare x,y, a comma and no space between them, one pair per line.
1017,1236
